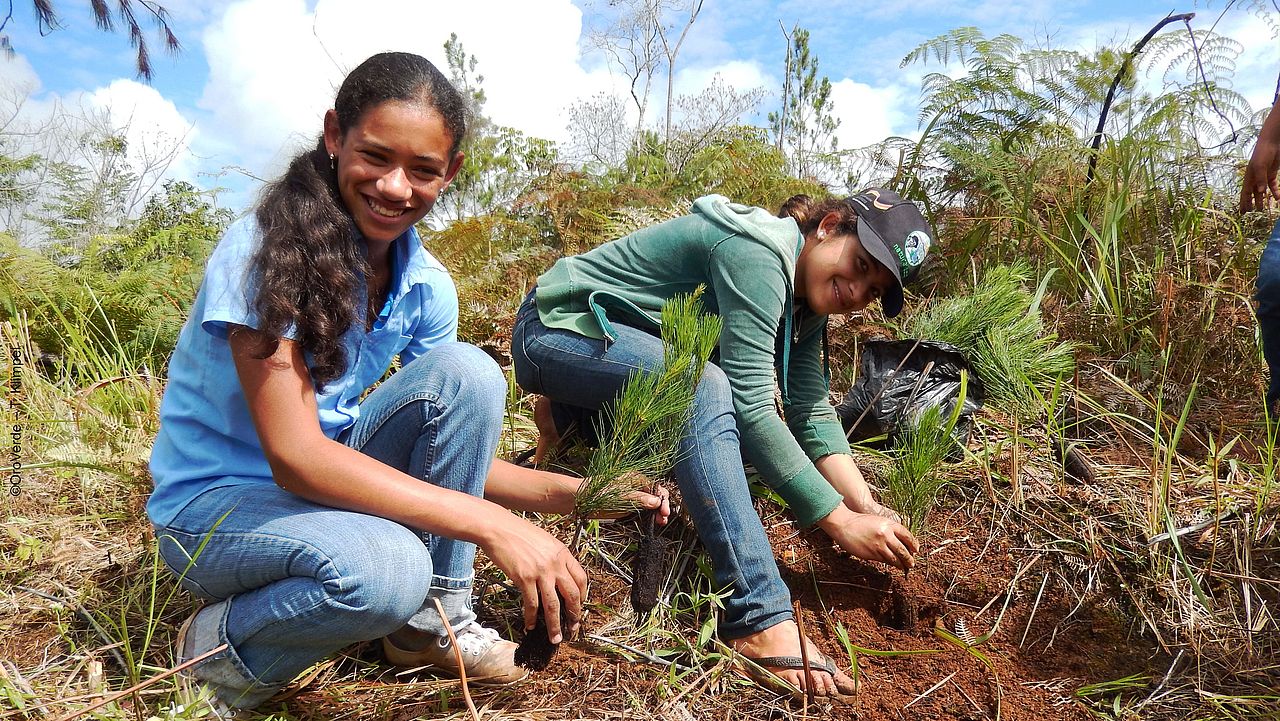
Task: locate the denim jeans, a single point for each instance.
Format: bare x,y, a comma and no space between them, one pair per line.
1269,311
581,376
292,581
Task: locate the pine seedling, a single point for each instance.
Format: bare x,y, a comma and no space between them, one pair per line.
999,329
913,484
639,444
640,432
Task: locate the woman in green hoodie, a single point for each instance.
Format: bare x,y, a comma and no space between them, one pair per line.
592,322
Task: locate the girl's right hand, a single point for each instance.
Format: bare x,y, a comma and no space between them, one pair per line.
541,567
871,537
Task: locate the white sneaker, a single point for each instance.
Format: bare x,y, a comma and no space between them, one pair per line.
488,659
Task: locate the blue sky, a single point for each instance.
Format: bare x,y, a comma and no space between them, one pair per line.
254,76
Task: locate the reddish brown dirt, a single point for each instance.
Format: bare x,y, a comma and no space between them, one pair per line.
960,588
1044,648
960,585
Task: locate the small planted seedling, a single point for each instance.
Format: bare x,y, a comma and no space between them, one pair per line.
639,444
913,484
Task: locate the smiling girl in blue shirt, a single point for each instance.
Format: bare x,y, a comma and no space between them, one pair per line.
308,518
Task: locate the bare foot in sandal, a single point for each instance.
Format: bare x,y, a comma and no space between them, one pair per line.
777,649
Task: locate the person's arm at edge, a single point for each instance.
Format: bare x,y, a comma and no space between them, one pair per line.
305,462
1260,185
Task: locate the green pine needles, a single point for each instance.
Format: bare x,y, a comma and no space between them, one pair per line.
912,484
999,329
640,433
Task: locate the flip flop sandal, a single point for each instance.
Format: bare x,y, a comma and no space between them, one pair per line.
761,670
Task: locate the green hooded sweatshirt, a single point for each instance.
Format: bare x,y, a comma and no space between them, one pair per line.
746,258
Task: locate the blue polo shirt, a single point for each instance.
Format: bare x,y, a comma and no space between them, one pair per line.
207,438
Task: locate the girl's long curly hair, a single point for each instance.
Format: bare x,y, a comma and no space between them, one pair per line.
310,268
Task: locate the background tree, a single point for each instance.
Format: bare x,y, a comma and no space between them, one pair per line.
500,161
73,174
642,36
708,120
125,16
671,43
599,133
630,40
804,127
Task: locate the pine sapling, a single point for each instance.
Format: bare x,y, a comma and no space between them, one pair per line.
639,444
912,484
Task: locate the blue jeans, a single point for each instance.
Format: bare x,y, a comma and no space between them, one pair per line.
581,376
1269,311
292,581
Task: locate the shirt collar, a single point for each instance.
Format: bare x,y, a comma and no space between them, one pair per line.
410,262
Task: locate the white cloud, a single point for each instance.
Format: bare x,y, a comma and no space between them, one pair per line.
275,65
268,80
867,114
1259,61
158,136
18,76
54,126
740,75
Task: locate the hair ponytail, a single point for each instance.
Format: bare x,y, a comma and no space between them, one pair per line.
808,214
309,268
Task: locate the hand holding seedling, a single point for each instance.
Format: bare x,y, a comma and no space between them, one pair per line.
540,567
1260,185
871,537
659,502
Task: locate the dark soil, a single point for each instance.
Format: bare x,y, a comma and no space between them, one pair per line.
536,650
647,571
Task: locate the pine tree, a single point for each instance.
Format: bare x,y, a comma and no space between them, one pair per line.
47,22
804,127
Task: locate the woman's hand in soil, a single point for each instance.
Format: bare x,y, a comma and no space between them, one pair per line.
843,474
871,537
539,566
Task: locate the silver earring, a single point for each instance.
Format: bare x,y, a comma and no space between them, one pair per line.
333,162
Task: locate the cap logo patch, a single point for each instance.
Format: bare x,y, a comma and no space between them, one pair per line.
916,247
875,200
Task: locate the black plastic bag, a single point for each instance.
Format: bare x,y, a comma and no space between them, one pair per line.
909,392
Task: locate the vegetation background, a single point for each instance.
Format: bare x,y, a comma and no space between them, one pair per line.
1124,465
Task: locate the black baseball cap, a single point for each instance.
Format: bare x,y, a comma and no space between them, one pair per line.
895,233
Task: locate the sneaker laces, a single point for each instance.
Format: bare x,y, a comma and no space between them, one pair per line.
475,640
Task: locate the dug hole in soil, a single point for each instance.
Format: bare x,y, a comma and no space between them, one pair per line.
1046,646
